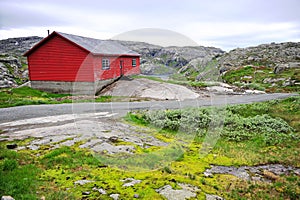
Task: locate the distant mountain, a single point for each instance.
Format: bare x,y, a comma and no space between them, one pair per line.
157,60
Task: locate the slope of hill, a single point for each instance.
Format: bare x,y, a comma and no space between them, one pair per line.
13,66
271,67
155,60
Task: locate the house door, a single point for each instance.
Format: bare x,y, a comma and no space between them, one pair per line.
121,68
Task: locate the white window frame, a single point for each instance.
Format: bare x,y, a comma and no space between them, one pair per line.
105,64
133,62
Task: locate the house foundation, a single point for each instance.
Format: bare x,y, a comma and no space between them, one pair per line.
75,88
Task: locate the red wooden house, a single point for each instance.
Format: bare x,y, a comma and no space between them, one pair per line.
68,63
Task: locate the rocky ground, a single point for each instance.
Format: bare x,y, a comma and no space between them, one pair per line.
105,134
145,88
268,55
154,90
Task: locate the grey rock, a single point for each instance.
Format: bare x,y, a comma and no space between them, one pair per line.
101,191
294,64
86,193
136,196
115,196
252,173
128,182
186,192
7,198
213,197
82,182
111,149
280,68
33,147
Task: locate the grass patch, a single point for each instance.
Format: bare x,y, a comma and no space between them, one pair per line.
18,175
53,173
253,77
28,96
249,129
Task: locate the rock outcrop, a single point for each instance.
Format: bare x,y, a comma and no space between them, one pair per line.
157,60
13,66
269,55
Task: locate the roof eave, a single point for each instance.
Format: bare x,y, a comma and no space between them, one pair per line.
117,55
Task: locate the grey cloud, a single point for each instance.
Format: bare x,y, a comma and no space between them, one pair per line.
15,16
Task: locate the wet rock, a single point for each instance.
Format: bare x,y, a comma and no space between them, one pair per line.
130,182
213,197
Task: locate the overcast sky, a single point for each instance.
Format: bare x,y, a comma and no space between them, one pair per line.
221,23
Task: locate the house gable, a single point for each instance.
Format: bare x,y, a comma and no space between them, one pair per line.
57,59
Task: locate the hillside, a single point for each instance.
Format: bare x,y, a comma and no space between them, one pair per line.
271,67
13,66
155,60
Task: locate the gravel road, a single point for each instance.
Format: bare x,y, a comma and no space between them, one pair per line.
26,112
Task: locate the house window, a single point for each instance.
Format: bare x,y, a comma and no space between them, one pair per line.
105,63
133,62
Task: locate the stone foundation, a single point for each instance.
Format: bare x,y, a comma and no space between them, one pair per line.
77,88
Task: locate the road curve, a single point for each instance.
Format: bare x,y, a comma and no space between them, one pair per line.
32,111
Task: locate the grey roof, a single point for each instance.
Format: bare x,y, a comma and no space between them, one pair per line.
97,46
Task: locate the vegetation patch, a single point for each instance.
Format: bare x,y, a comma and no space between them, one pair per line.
252,134
264,78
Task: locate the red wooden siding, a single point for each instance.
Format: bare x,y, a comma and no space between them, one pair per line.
115,71
60,60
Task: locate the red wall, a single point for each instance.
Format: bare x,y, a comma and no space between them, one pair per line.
114,71
59,60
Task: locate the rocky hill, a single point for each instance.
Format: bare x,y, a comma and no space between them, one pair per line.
277,64
13,66
157,60
271,67
269,55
